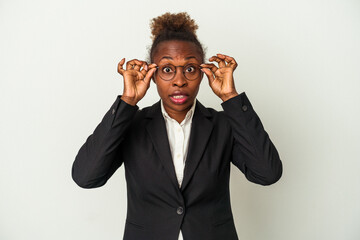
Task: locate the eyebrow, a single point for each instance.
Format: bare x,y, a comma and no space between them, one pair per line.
167,57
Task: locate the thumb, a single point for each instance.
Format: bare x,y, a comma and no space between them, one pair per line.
209,74
148,76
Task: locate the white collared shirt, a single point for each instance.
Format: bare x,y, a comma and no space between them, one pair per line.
179,135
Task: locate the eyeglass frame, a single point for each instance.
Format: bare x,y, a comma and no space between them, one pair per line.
183,72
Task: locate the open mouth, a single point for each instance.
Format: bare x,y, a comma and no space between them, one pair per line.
179,98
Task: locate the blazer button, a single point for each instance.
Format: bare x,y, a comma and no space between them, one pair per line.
244,108
179,210
113,111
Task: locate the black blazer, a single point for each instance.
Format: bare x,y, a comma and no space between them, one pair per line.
157,208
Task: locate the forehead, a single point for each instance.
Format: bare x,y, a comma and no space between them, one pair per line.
176,51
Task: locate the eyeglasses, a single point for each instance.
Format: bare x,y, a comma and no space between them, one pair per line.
191,71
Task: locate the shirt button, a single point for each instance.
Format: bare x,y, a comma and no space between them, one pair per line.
179,155
244,108
179,210
179,130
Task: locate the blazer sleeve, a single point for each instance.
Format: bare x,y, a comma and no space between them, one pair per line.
253,152
97,159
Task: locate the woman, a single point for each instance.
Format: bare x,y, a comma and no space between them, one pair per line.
177,153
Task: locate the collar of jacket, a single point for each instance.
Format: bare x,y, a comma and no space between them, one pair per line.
201,129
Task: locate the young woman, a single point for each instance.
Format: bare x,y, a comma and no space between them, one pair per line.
177,153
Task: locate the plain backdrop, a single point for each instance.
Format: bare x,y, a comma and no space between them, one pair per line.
299,63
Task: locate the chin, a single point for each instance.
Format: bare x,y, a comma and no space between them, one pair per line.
180,107
185,106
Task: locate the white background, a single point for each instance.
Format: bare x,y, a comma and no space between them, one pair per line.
298,64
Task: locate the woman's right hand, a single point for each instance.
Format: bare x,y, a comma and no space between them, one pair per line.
137,78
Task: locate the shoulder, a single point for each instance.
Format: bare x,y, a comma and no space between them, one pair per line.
145,114
216,117
207,111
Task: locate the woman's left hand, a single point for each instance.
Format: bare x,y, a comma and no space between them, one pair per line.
221,78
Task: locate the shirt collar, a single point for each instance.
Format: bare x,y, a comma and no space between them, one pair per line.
188,116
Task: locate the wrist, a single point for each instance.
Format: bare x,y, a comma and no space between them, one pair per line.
228,96
129,100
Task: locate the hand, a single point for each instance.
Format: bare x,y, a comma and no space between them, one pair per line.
221,79
137,78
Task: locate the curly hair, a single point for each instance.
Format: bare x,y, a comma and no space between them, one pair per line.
174,26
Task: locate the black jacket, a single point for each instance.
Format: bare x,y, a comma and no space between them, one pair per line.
157,208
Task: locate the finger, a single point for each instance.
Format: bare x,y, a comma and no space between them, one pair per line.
120,66
220,61
149,75
231,62
143,72
221,56
209,74
153,65
211,66
144,67
130,64
138,64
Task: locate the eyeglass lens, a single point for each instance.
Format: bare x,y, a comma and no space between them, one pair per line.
191,71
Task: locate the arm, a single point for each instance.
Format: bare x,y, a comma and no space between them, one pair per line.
253,152
97,159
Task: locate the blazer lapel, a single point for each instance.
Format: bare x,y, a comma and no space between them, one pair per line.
157,131
201,128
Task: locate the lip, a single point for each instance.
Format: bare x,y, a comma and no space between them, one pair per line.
179,97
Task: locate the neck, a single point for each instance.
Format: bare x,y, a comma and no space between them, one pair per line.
179,116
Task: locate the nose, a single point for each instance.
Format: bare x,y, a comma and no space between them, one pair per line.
179,80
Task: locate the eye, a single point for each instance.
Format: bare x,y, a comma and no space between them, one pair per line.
190,69
167,69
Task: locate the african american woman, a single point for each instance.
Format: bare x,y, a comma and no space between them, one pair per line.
177,152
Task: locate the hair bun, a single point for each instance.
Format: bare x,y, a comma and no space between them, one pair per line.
176,22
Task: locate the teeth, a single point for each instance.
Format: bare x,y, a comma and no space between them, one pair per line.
178,96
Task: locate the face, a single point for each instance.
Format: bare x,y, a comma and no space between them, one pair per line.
178,94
